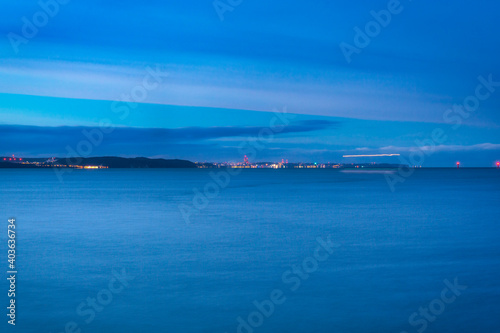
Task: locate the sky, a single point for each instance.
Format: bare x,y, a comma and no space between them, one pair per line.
198,80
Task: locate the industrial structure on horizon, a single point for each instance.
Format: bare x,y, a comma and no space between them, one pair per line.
46,163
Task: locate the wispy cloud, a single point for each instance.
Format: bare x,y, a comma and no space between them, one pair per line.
29,138
325,91
445,148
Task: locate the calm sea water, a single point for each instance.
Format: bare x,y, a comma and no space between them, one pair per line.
394,251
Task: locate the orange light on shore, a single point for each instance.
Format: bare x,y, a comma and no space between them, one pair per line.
458,164
498,165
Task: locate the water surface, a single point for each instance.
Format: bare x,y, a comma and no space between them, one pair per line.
395,249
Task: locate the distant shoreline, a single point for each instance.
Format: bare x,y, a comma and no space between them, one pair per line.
113,162
106,162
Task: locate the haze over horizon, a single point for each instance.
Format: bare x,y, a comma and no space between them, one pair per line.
206,85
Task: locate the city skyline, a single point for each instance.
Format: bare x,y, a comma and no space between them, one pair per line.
410,86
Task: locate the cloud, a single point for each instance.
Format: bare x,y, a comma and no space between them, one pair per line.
17,138
445,148
324,92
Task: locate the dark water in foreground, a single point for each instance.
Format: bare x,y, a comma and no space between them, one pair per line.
394,251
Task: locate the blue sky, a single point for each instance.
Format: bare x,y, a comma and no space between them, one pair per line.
233,73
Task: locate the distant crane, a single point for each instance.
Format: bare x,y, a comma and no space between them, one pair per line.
13,158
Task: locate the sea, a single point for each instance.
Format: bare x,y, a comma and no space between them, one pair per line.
259,250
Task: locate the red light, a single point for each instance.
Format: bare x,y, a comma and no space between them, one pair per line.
10,159
4,159
14,159
20,159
